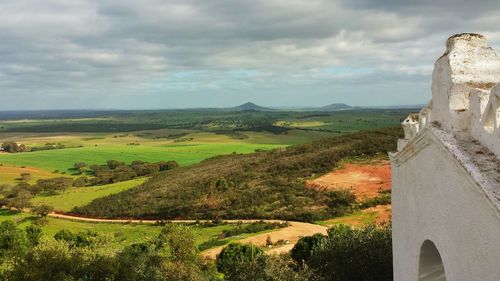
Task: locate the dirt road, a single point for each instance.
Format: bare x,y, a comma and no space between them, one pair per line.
291,234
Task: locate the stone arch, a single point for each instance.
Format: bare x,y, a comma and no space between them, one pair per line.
430,267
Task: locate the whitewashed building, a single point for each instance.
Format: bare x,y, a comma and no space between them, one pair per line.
446,173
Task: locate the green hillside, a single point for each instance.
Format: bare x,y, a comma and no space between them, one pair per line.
268,184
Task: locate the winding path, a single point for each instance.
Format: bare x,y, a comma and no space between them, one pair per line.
293,233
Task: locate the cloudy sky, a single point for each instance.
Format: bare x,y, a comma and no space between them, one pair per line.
76,54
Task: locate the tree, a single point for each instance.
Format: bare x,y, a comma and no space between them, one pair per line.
305,247
10,146
241,262
43,210
354,254
21,200
80,182
339,201
179,241
113,164
80,167
167,165
283,268
53,185
34,234
13,241
25,176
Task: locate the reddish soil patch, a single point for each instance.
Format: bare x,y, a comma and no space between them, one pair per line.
365,180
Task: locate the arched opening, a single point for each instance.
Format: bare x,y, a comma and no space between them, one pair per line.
430,266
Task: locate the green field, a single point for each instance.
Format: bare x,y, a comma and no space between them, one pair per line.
121,234
79,196
98,148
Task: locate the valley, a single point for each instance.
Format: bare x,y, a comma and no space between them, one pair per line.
241,172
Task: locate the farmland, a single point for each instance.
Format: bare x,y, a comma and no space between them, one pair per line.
247,148
185,136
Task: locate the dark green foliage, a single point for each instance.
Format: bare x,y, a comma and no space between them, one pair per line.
13,241
241,262
80,182
246,262
12,147
305,247
80,239
116,171
259,185
34,234
340,201
54,185
43,209
253,228
79,167
84,256
64,235
19,199
47,146
354,254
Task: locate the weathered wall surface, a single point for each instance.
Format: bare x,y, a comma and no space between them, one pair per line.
446,173
435,199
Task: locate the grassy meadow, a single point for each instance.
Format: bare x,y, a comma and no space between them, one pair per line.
79,196
121,234
97,149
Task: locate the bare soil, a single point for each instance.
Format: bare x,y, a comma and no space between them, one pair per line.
293,233
365,180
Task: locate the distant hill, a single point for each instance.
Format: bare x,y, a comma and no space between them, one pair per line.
251,106
336,106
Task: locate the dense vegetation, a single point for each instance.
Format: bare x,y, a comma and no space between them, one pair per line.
24,256
353,254
259,185
346,254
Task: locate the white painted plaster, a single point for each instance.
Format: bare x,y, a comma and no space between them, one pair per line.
446,173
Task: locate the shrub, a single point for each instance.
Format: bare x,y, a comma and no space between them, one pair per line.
354,254
241,262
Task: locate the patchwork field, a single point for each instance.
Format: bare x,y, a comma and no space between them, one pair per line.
79,196
98,148
189,138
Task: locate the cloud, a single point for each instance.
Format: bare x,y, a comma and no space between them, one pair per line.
190,53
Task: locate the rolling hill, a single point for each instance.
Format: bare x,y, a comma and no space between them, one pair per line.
249,106
336,106
267,185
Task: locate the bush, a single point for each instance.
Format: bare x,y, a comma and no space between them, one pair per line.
43,210
384,198
305,247
80,182
354,254
241,262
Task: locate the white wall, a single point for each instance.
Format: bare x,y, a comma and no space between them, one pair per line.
435,199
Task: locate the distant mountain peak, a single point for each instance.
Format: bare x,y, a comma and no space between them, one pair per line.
337,106
251,106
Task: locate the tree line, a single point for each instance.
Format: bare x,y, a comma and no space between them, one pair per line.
19,195
345,254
